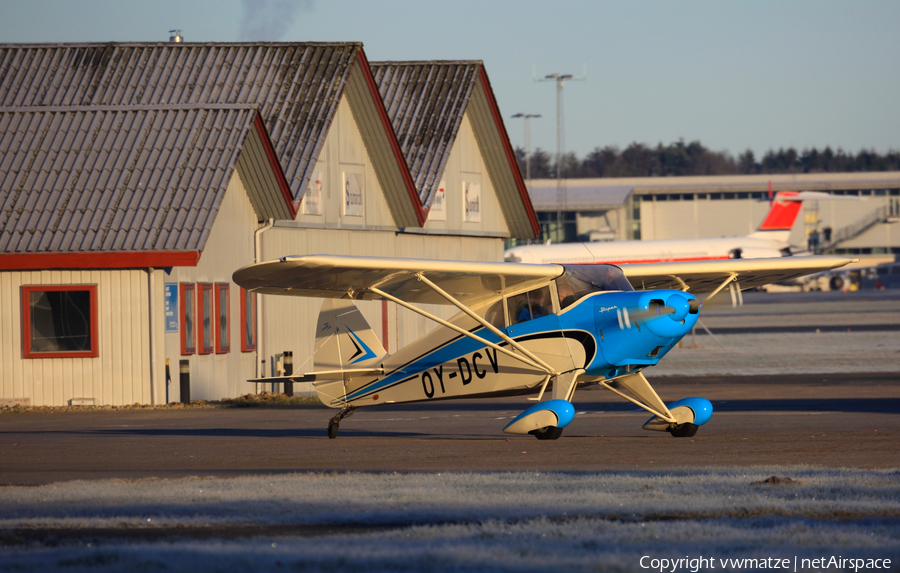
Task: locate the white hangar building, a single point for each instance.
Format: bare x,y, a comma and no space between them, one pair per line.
135,178
714,206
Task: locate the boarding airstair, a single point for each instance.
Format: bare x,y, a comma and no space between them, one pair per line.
889,213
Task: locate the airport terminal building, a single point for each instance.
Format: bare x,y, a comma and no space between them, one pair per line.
690,207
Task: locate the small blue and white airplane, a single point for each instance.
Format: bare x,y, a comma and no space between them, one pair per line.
522,329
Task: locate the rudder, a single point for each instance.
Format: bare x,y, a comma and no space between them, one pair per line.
344,339
781,216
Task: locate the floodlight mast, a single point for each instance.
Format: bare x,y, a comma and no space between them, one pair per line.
560,80
527,117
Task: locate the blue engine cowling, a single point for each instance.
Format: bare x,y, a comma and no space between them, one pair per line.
639,328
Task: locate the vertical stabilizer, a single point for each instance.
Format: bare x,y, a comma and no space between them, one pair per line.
344,340
780,219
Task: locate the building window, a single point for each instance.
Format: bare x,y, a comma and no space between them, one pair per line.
248,321
223,319
206,322
60,321
188,319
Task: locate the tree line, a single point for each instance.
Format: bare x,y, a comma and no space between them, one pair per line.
680,158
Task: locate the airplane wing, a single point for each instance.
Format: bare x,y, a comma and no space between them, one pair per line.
707,276
337,276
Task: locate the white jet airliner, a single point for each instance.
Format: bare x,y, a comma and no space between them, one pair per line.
770,240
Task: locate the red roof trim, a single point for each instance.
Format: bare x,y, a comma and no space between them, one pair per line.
421,212
107,260
510,155
293,206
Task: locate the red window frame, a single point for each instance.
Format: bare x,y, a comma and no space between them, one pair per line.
206,289
245,324
188,345
26,322
223,298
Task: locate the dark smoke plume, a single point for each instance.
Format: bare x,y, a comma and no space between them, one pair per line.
268,20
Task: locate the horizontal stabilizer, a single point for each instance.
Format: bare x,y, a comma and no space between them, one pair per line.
320,375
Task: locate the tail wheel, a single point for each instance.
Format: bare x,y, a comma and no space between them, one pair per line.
548,433
686,430
333,430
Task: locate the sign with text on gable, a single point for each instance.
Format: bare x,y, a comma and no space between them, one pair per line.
438,211
312,200
471,202
353,194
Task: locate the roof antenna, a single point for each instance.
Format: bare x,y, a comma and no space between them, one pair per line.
175,36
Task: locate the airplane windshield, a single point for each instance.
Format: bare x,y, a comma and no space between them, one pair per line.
581,280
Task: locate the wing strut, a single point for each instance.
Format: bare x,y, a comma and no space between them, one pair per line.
484,323
649,400
731,277
537,365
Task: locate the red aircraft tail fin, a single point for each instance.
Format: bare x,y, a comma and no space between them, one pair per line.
783,213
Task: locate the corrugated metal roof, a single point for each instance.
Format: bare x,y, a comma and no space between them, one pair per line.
297,86
426,102
577,195
76,179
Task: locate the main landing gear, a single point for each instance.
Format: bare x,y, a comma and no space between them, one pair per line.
686,430
335,422
548,433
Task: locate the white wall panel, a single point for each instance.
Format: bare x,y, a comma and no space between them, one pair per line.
465,163
229,247
119,373
721,218
345,151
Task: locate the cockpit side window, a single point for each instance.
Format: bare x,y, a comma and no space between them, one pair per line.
566,292
494,315
530,305
581,280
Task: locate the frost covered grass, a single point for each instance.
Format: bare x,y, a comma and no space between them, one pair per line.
311,498
536,545
784,353
520,521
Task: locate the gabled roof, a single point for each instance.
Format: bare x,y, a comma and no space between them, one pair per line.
296,86
426,102
78,185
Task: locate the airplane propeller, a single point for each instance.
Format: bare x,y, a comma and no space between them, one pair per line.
627,317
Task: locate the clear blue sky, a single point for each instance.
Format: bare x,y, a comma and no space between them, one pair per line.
735,75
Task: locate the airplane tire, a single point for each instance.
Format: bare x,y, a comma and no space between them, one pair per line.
548,433
332,430
686,430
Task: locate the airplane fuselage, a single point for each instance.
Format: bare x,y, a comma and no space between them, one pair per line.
605,334
625,252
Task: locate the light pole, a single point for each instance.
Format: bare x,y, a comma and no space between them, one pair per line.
527,117
560,139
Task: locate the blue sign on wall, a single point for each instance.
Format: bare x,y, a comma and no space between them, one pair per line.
171,307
